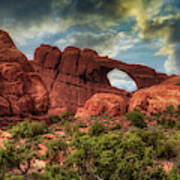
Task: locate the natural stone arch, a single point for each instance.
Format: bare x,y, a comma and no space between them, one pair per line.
122,80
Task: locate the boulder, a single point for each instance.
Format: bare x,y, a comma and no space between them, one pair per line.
156,98
103,103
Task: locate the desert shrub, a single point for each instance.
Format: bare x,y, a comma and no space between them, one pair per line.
166,123
96,129
167,148
105,116
54,147
174,174
178,125
161,121
56,172
12,156
70,129
169,110
28,129
157,173
66,115
13,177
38,127
136,118
163,146
116,127
54,118
111,156
170,123
151,136
178,110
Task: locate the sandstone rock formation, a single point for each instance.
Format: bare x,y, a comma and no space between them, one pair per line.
73,76
175,80
157,98
21,89
61,81
103,103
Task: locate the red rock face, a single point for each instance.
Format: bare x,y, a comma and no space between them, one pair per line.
103,103
67,78
156,98
21,89
175,80
73,76
5,40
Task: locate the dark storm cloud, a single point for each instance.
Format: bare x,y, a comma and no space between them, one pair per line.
32,19
168,29
24,12
28,12
78,9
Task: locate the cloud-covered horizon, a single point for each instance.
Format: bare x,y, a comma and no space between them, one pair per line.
139,31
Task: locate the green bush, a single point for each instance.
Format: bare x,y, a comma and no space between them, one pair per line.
157,173
54,147
151,136
56,172
66,115
171,123
169,110
174,174
163,146
136,118
54,118
70,129
111,156
96,129
11,157
28,129
167,148
116,127
178,110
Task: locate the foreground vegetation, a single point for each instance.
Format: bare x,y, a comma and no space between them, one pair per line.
101,153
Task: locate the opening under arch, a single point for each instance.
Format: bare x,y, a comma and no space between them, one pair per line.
121,80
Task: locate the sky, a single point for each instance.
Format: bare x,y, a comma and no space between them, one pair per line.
133,31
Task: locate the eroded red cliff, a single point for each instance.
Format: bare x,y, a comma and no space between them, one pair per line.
21,89
74,75
60,81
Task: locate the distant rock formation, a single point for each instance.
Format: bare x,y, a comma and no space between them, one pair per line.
21,89
73,76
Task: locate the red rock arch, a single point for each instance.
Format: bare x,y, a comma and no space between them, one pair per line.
79,74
